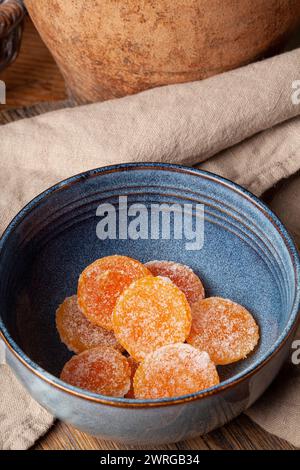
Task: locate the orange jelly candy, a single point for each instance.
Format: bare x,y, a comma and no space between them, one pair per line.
102,282
226,330
100,370
174,370
77,333
134,365
151,313
182,276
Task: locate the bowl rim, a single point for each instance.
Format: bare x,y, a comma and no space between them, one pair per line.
140,403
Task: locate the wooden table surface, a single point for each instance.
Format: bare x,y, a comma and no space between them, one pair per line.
34,76
32,79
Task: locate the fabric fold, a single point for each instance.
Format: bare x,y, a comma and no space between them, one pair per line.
261,161
278,410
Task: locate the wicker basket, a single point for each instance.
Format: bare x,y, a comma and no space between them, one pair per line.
11,26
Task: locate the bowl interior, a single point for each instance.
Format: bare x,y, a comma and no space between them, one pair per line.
243,256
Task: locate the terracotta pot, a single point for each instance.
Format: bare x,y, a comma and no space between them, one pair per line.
111,48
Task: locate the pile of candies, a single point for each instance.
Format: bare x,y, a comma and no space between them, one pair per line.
147,330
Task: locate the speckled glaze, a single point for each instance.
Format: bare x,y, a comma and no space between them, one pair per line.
247,256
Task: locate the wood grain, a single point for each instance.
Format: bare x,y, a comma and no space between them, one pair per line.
34,76
240,434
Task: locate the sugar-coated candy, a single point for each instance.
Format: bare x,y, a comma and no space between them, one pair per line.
182,276
151,313
174,370
134,365
77,332
225,329
101,370
102,282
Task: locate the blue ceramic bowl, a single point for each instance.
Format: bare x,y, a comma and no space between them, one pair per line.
247,256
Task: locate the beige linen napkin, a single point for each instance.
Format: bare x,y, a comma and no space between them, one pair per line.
242,124
278,411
